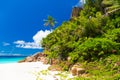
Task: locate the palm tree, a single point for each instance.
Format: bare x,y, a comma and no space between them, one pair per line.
50,22
111,6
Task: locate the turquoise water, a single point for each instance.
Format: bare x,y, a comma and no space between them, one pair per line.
10,59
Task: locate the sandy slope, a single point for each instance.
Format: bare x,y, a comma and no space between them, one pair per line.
20,71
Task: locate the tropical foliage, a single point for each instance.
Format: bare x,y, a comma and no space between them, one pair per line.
92,36
84,31
50,22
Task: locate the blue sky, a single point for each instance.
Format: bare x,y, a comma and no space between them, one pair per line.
21,23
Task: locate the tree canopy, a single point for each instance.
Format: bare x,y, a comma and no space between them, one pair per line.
88,36
50,22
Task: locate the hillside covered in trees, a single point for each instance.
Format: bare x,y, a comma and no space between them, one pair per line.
92,39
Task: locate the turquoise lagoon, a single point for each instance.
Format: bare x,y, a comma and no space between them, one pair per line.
10,59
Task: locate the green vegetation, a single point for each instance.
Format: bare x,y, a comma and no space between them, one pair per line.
50,22
92,39
58,75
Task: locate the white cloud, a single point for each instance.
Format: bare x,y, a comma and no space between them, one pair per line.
83,1
16,54
80,3
27,45
36,41
19,42
6,54
39,35
6,44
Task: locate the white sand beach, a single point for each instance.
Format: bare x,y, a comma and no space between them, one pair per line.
20,71
29,71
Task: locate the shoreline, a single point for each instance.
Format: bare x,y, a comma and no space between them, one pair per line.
29,71
11,59
21,71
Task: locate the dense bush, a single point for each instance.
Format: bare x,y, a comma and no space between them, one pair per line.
94,48
113,35
105,69
93,39
91,36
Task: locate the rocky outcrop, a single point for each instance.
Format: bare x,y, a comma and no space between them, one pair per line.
55,61
117,64
77,70
55,67
44,60
29,59
21,61
36,57
76,12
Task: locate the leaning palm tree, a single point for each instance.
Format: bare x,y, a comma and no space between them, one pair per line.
111,6
50,22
